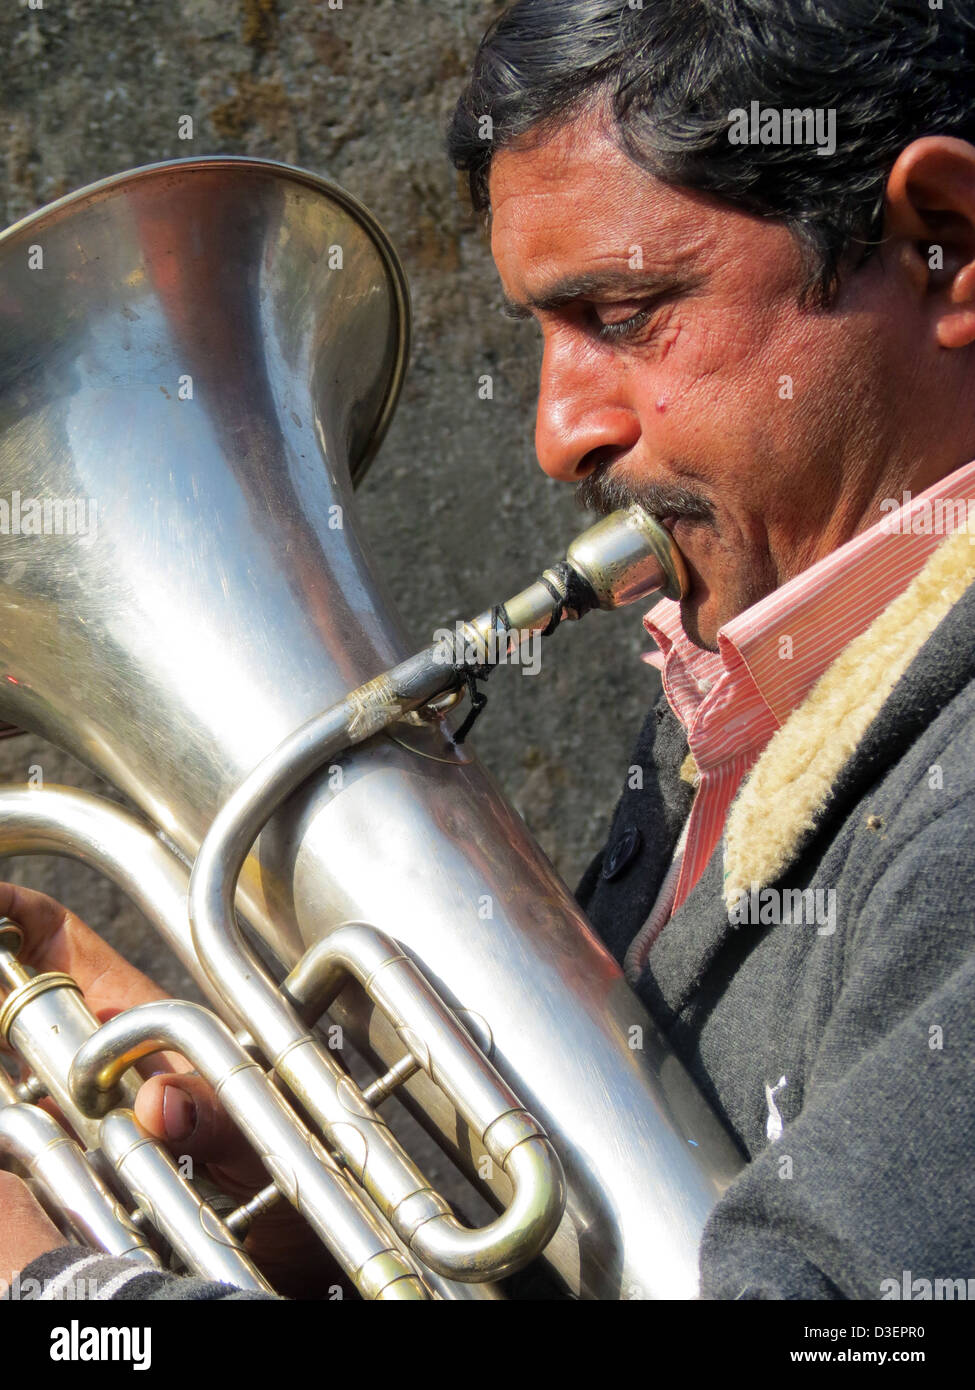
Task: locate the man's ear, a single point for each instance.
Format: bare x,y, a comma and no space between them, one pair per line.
930,211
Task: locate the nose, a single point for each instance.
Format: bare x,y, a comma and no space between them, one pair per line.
583,417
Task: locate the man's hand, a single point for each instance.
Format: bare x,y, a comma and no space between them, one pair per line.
174,1104
26,1231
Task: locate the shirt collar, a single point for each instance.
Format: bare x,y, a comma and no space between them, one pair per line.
784,642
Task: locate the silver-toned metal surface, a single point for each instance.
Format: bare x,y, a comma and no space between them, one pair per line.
31,1090
300,1166
621,562
420,1217
44,1020
172,1205
47,1024
623,558
438,1044
70,1189
192,360
112,840
240,1220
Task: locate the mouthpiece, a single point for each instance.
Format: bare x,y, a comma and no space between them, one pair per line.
627,556
622,559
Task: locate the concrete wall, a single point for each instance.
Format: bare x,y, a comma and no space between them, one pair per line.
456,509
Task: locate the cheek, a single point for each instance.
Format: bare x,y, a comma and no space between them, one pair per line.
731,394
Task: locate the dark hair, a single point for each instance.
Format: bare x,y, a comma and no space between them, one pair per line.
670,72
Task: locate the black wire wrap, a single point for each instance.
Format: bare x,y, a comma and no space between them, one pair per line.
578,598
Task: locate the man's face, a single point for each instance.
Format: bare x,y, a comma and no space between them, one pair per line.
680,371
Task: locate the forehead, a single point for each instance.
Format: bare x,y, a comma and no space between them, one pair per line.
573,201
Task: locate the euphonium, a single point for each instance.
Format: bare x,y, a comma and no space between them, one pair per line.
197,362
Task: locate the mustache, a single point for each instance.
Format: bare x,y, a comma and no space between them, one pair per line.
601,493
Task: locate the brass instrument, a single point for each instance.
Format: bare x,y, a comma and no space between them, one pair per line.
205,354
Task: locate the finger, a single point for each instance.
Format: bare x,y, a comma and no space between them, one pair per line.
26,1230
157,1062
183,1110
57,939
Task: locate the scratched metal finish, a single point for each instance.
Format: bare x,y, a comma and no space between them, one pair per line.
209,352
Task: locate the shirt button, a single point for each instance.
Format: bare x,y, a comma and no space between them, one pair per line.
622,852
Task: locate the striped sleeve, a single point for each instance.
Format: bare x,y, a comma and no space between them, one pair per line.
74,1273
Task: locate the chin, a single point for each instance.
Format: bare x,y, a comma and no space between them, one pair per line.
698,617
705,610
699,624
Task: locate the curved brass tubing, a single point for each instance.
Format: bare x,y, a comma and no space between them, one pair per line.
300,1166
453,1060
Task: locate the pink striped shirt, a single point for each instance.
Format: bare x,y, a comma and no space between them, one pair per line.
732,701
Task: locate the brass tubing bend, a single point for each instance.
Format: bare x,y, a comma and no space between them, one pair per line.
301,1167
450,1057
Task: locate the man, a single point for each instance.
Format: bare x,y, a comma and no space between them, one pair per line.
747,233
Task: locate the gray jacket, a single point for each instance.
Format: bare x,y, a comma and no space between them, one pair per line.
868,792
841,1060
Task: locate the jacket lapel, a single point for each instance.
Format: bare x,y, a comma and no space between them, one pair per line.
685,950
858,719
621,884
783,801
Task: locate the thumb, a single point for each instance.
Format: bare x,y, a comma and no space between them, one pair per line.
26,1231
183,1111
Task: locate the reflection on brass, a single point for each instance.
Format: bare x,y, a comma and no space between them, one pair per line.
192,363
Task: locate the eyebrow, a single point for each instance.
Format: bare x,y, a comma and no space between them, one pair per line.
568,289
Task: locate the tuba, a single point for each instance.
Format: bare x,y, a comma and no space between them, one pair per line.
198,361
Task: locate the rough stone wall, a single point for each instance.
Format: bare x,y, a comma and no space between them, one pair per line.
456,509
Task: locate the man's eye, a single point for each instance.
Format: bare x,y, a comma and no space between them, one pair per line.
622,328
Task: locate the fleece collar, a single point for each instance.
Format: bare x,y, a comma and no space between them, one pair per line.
791,784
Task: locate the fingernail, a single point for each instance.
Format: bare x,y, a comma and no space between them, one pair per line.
179,1113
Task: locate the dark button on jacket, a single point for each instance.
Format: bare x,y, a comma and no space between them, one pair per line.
622,852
